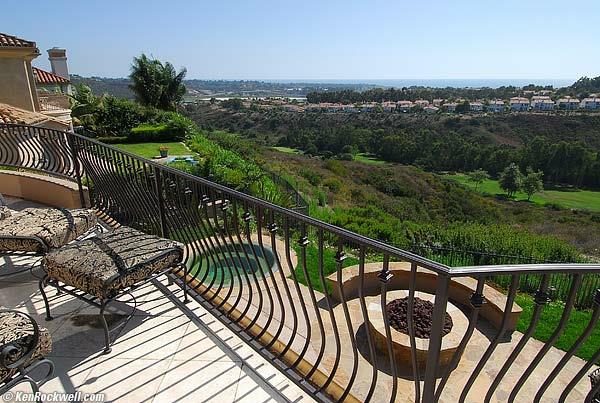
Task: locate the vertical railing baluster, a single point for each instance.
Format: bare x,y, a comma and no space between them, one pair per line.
435,337
74,154
164,232
384,277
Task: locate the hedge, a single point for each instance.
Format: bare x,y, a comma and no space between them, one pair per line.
156,133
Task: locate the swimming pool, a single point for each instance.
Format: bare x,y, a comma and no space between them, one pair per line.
234,261
182,158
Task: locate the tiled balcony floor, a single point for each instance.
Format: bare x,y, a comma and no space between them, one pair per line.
165,352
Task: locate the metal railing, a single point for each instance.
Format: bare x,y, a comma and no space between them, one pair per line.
299,202
559,286
283,282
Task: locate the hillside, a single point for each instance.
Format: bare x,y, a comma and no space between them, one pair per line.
513,129
379,201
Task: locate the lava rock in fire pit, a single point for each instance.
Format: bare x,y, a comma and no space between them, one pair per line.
422,314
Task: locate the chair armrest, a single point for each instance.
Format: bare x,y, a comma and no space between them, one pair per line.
11,349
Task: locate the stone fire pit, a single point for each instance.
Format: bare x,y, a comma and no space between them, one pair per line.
401,341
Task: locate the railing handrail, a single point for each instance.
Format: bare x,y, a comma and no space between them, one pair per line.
376,245
545,268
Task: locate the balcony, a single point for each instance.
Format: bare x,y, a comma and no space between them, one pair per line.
301,303
56,106
53,102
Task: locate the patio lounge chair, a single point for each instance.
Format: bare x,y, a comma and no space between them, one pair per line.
23,346
39,229
100,269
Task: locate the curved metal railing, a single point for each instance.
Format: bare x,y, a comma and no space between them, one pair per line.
310,296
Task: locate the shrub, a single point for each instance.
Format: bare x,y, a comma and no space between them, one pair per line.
185,167
332,184
118,116
336,167
228,168
311,176
156,133
113,140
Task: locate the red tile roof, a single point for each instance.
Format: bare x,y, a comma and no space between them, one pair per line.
45,77
11,41
12,114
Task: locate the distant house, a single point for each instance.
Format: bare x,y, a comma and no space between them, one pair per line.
47,82
590,103
496,105
421,102
404,106
476,106
368,107
568,103
26,87
431,109
450,107
388,106
519,104
542,103
438,102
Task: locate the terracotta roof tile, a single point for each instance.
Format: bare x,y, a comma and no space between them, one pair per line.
11,41
45,77
12,114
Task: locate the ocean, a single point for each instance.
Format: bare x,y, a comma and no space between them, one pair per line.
440,82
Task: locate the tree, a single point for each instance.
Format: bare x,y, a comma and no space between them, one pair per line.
478,176
233,103
511,179
156,84
84,104
532,182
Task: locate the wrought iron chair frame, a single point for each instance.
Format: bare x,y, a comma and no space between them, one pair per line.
107,298
23,365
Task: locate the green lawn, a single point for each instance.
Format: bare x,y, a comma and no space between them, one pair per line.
549,319
368,159
150,150
577,199
287,150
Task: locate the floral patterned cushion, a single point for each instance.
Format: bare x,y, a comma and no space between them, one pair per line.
5,212
17,330
54,226
104,265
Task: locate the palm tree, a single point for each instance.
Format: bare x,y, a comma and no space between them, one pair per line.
156,84
84,104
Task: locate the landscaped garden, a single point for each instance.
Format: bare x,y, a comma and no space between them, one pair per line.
151,150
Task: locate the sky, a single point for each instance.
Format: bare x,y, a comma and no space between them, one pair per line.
326,39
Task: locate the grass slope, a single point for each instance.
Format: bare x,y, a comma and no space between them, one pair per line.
287,150
368,159
577,199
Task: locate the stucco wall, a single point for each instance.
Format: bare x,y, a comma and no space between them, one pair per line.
41,189
16,85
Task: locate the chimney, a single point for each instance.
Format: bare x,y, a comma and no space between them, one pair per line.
58,61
